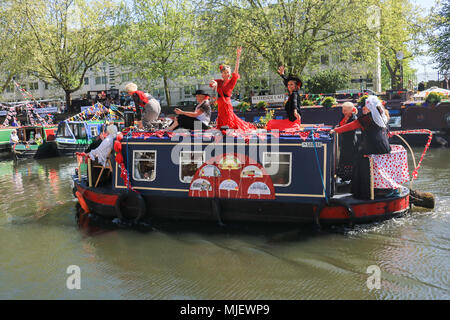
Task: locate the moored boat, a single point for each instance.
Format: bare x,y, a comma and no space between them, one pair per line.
31,146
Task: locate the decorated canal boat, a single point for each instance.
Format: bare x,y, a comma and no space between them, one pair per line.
230,177
36,142
79,131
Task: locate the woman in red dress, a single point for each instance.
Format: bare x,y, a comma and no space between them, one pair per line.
224,88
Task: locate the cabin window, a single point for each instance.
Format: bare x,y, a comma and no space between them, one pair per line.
144,165
279,164
94,131
190,161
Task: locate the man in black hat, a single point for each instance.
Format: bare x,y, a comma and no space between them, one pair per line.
194,120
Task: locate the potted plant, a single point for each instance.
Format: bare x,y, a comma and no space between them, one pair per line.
328,102
433,98
307,102
243,106
262,105
268,116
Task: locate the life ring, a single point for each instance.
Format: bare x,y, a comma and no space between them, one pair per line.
130,206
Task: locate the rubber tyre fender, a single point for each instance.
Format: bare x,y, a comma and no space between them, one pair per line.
130,206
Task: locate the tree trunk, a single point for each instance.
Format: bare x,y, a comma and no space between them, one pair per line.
68,101
166,90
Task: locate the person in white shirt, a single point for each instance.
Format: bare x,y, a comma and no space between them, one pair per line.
201,115
104,149
13,138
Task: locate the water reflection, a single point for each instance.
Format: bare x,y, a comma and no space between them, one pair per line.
196,261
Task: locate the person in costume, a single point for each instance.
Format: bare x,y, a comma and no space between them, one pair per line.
374,140
292,105
224,88
147,107
200,117
347,143
13,138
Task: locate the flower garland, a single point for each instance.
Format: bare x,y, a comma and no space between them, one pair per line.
430,137
119,160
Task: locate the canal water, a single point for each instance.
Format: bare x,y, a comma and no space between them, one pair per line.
39,240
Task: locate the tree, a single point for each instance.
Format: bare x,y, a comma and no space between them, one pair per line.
13,36
69,37
328,81
440,41
402,30
286,32
162,42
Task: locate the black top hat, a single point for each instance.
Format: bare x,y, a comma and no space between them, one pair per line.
296,79
201,92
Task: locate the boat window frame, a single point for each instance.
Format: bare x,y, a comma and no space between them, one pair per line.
180,163
290,166
134,161
96,131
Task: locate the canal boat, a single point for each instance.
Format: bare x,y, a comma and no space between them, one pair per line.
228,177
79,131
31,146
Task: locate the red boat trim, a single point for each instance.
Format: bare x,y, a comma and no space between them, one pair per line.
376,208
104,199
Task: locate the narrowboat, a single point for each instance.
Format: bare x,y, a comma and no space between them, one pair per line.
228,177
78,132
5,146
414,118
31,146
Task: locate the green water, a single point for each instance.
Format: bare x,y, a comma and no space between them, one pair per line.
39,239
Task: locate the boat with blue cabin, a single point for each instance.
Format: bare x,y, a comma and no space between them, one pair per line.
227,177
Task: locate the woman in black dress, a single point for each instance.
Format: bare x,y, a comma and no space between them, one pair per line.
347,143
374,140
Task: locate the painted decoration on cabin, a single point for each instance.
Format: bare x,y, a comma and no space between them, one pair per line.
200,185
229,162
251,172
229,185
210,171
232,176
259,188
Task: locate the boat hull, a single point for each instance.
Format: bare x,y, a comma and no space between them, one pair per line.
46,150
104,203
69,149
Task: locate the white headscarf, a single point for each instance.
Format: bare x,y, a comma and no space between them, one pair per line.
372,102
112,130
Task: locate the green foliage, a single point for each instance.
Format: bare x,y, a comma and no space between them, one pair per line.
307,102
13,37
261,105
283,32
243,106
440,41
68,37
434,97
267,117
162,42
328,102
328,81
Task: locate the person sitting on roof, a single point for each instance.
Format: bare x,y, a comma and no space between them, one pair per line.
199,119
